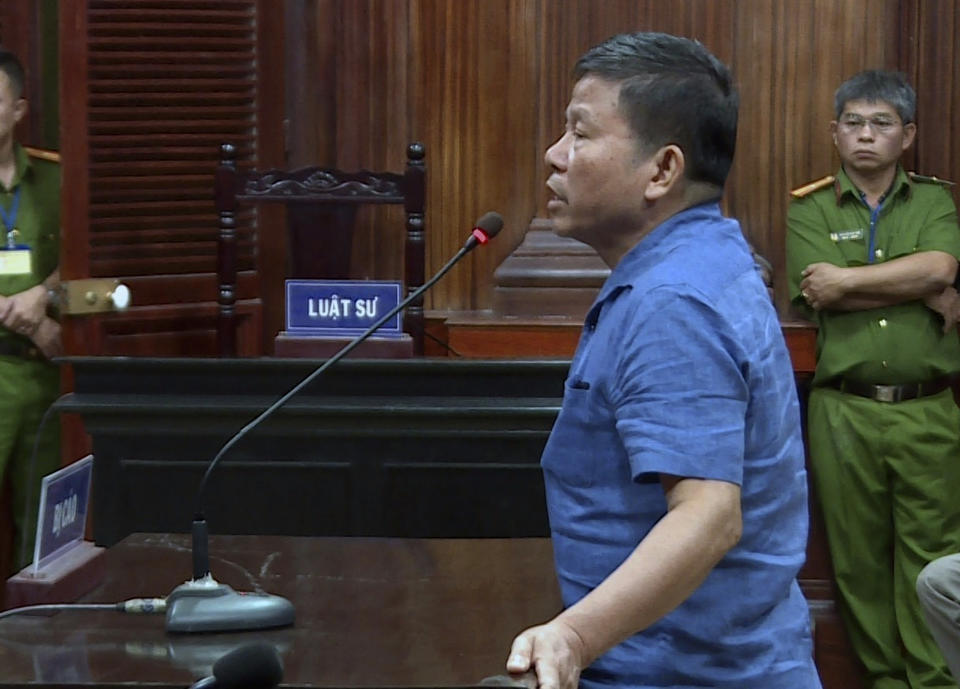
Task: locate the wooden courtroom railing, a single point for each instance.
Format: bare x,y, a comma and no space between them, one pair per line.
486,335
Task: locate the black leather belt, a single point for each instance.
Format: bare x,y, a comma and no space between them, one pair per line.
892,393
19,348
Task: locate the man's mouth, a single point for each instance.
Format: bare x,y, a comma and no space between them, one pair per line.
555,203
555,196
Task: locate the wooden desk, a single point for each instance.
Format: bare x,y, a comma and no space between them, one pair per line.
410,448
371,612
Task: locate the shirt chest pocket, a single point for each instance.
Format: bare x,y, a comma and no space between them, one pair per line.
889,242
901,240
46,250
584,448
852,243
42,233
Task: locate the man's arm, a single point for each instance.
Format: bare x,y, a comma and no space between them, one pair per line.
703,522
47,338
947,304
907,278
807,242
25,311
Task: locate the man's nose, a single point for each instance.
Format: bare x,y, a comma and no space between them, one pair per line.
556,155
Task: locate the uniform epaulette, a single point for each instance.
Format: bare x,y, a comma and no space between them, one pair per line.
800,192
43,154
914,177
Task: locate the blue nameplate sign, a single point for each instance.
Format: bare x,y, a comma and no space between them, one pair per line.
64,499
342,308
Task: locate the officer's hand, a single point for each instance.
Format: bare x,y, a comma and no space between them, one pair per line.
26,310
947,304
553,650
822,284
47,338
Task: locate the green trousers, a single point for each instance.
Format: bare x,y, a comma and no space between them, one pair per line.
888,479
27,389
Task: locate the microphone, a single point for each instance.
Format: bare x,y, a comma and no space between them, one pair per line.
253,666
485,229
202,604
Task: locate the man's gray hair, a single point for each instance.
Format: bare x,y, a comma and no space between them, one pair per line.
875,86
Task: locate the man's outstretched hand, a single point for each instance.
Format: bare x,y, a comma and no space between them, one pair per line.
554,651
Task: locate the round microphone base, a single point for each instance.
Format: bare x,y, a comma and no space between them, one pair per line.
206,606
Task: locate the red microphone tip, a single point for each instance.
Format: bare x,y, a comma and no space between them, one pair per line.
485,229
481,236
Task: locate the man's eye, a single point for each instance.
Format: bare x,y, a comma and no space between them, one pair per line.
855,122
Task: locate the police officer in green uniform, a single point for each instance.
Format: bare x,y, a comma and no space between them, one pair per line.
872,254
29,336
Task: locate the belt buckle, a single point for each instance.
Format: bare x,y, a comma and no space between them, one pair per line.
886,393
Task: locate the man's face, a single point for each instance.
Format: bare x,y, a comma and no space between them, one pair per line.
870,137
597,173
12,108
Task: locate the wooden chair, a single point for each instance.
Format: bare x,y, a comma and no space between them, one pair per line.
339,193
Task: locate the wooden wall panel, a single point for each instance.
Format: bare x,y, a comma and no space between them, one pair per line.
348,64
28,28
936,76
18,26
788,60
310,42
368,77
484,84
474,106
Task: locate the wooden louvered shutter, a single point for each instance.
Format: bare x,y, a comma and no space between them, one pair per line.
21,32
149,90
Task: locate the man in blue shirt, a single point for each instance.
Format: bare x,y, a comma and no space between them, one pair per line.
674,473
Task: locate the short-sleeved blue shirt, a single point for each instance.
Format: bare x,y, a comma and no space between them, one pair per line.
682,369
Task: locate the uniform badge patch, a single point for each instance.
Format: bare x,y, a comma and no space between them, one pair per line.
847,235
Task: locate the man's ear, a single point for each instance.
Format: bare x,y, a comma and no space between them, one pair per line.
20,109
909,132
668,166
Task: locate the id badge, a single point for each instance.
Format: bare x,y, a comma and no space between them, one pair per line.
16,261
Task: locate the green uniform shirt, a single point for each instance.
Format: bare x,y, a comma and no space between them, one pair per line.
37,220
896,344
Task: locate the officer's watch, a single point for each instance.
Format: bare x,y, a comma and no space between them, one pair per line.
53,302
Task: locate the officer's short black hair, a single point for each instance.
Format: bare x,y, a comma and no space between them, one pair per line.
673,91
875,86
10,65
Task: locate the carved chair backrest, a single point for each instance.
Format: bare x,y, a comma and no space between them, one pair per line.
326,186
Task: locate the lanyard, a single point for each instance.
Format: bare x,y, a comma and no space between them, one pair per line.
874,217
10,216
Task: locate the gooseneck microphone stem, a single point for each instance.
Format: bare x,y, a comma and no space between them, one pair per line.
201,559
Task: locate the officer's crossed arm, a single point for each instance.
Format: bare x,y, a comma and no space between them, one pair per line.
26,311
917,276
47,338
947,305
